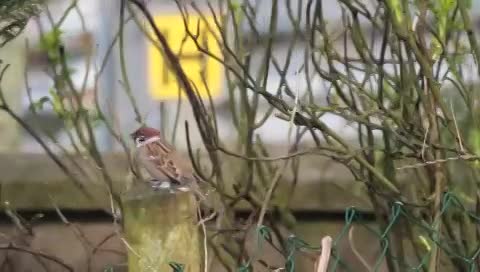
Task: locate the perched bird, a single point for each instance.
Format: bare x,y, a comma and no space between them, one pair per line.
161,160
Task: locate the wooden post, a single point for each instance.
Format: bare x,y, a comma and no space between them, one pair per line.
160,228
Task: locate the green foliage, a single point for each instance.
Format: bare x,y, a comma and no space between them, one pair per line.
396,7
236,8
38,105
50,42
441,10
14,16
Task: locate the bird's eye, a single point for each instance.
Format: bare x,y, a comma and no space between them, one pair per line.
140,139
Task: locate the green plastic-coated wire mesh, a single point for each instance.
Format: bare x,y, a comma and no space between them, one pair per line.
428,237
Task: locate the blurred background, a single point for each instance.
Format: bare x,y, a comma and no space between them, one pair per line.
87,32
87,42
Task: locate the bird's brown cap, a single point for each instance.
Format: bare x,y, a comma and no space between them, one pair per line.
146,132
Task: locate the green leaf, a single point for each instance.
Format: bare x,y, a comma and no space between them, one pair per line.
50,42
38,105
396,8
235,5
441,10
446,5
236,8
51,39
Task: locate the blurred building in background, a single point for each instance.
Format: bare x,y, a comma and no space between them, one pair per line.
88,32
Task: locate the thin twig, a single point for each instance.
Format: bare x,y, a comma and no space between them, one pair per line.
351,241
5,107
285,157
38,254
423,164
276,178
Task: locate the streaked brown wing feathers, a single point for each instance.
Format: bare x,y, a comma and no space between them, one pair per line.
160,157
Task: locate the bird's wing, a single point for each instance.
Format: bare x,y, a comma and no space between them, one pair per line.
161,159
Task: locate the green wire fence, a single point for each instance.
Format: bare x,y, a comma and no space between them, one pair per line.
399,212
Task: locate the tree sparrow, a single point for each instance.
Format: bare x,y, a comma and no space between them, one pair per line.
162,162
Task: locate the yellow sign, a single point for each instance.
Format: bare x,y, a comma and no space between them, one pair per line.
200,68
